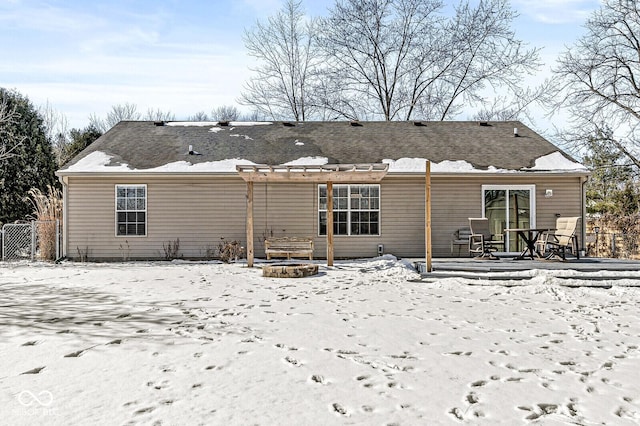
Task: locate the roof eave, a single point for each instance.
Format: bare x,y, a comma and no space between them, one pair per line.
495,174
134,173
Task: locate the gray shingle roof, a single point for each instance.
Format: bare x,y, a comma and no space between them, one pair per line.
144,144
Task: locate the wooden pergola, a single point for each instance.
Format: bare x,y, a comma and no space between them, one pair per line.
327,174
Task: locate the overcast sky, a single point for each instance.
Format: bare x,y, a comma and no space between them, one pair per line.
179,55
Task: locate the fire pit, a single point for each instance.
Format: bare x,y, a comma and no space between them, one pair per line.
289,270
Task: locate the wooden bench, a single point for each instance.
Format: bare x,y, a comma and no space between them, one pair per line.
288,247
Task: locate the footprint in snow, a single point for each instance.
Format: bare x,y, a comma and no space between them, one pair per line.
457,413
158,386
292,361
539,410
339,409
316,378
36,370
458,353
75,354
143,410
283,346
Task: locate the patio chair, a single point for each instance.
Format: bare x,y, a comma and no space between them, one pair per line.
482,242
460,238
554,243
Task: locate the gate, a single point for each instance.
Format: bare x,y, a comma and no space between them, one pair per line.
39,239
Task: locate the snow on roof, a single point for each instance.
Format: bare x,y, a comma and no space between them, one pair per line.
191,123
223,166
551,162
556,161
99,162
246,137
418,165
308,161
96,161
249,123
215,123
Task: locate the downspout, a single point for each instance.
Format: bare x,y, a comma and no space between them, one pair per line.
65,215
583,200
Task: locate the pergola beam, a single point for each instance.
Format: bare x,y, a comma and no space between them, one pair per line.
327,174
348,173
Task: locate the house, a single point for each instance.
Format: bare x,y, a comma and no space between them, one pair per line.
144,185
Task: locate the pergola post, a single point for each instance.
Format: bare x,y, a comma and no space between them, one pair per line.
327,173
329,223
250,224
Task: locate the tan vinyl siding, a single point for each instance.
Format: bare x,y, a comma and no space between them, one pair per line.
202,210
282,210
457,199
198,211
401,224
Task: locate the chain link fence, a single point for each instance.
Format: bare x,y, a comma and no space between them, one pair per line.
37,240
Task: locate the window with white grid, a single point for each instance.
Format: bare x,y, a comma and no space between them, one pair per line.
131,210
356,209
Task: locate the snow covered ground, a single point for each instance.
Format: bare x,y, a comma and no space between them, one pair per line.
364,342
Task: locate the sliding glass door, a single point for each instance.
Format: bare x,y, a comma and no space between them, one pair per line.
509,206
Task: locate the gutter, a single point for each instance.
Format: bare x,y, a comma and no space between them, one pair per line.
143,174
132,173
494,174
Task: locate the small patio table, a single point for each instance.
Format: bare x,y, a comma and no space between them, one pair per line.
529,236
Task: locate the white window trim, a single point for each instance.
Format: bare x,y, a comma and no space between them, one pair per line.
379,210
532,199
146,206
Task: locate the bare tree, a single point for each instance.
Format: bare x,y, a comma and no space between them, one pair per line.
381,55
517,107
9,141
56,128
225,113
398,59
486,53
198,116
118,113
284,46
253,115
598,79
159,115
